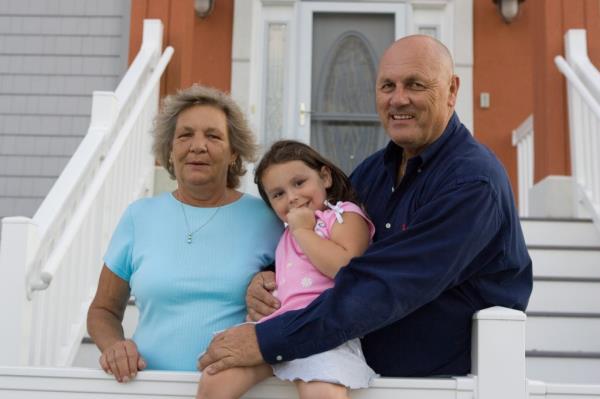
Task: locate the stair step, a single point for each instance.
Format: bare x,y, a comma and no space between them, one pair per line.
550,333
87,355
563,354
563,370
565,296
561,232
561,262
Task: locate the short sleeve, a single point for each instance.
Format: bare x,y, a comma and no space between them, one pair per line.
329,218
118,255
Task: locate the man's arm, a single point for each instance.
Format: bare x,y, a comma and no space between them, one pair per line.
394,277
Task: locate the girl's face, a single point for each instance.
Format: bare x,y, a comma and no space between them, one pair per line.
294,184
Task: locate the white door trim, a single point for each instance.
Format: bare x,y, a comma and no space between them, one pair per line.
307,10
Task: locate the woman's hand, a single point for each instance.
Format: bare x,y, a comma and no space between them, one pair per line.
122,360
120,356
259,296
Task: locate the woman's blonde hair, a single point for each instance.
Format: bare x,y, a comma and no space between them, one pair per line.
241,138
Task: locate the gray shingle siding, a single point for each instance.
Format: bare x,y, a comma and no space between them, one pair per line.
53,54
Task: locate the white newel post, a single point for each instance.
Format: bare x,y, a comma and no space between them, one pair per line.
498,353
19,242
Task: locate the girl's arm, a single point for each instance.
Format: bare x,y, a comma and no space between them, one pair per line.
348,240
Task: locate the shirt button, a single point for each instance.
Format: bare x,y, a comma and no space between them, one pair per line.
387,225
279,358
393,188
419,170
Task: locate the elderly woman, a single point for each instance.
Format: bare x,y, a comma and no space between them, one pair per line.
186,256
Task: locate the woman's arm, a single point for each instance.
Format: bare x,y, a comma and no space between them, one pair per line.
348,240
104,322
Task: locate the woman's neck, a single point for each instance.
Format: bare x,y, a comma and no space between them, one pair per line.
203,197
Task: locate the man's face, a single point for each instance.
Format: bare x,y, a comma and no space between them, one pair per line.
415,93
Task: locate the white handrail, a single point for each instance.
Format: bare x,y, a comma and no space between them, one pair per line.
578,85
522,138
583,90
64,241
498,372
53,263
577,57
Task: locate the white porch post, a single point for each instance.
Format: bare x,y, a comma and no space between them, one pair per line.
19,242
498,353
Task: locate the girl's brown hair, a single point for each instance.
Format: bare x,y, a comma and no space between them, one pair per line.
290,150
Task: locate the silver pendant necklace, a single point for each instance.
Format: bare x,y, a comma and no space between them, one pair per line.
190,233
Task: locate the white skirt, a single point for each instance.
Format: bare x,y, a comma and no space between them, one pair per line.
344,365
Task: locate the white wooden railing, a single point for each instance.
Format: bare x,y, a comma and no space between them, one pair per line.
583,91
522,138
498,365
498,372
49,264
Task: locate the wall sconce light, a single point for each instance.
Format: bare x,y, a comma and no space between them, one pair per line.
204,7
508,9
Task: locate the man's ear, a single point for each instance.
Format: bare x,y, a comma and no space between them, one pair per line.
325,174
454,85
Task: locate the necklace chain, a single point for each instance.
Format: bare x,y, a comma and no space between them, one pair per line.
190,233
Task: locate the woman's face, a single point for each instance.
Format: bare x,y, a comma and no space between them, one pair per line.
201,153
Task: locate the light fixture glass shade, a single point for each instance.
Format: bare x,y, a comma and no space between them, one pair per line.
203,7
509,9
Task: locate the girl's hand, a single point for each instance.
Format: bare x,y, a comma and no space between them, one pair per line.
122,360
301,218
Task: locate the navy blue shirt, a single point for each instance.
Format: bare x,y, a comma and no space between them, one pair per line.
448,243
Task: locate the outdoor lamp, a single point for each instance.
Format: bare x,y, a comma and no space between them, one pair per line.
204,7
508,9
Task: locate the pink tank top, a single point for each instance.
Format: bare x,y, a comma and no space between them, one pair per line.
298,281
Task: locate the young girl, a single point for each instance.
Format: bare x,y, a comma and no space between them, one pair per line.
325,229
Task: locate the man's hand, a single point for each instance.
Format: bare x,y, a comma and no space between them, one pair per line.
236,347
301,218
122,360
259,296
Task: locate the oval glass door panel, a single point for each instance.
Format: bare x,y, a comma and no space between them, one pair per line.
346,49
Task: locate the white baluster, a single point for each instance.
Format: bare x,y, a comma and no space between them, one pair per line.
20,240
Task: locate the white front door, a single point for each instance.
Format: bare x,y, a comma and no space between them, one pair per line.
340,45
305,69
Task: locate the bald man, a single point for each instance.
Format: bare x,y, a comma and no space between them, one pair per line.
448,241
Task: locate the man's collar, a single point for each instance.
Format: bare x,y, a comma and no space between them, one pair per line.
429,152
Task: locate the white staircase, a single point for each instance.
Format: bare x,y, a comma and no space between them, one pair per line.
563,317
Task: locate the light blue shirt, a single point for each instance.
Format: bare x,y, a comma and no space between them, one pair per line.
185,292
